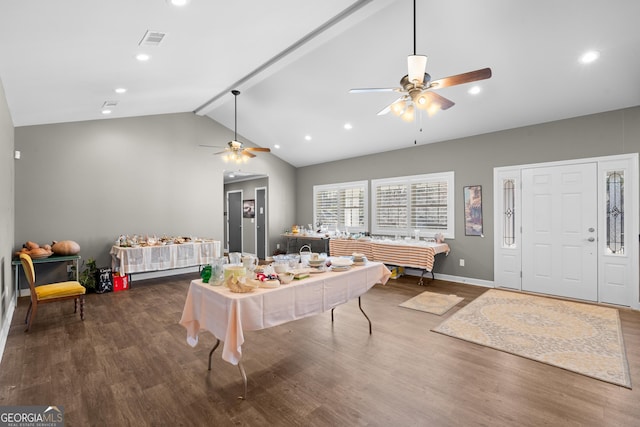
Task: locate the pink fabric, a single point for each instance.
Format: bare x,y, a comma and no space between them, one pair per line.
226,314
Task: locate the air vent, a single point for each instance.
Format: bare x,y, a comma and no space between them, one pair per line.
152,38
109,104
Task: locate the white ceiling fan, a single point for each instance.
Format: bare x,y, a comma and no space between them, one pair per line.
235,150
417,87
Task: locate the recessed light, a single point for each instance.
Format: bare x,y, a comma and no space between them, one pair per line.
277,146
121,90
589,56
474,90
142,57
348,126
179,3
105,112
307,137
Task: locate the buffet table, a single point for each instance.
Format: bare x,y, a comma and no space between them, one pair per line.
227,315
404,253
163,257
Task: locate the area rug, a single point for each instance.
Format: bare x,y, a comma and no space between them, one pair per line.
582,338
432,302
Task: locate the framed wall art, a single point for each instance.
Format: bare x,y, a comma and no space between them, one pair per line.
473,210
248,208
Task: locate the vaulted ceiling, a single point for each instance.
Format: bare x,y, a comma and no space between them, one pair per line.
295,61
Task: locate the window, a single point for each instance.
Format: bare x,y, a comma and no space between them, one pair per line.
509,213
615,212
341,206
420,202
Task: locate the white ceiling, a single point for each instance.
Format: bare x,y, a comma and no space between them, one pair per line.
295,61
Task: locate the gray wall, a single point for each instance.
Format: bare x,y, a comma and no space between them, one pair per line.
6,211
92,181
473,160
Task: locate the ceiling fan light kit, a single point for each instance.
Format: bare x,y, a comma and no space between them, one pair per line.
417,86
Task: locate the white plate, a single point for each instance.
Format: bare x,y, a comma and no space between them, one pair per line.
341,262
342,268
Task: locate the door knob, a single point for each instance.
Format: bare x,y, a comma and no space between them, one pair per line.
591,239
591,229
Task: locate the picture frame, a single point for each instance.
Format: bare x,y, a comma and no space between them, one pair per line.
473,210
248,208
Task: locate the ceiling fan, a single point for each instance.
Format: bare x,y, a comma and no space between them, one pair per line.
416,86
235,150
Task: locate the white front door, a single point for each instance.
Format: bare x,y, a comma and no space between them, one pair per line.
559,231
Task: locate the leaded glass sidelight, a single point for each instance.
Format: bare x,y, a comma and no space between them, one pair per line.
509,213
615,212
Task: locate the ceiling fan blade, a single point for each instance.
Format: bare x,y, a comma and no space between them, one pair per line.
459,79
375,89
443,102
386,109
220,152
266,150
246,153
211,146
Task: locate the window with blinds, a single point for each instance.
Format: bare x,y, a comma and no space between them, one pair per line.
341,206
420,202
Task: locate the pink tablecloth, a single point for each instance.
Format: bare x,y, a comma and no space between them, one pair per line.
226,314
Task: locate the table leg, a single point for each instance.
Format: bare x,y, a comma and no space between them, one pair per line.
360,307
244,379
17,282
212,350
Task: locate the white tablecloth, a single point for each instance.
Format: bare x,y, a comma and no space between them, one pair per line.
226,314
154,258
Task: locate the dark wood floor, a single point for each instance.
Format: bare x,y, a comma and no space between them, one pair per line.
128,364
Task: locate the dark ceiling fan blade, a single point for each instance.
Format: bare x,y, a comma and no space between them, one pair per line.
220,152
266,150
375,89
246,153
459,79
211,146
441,101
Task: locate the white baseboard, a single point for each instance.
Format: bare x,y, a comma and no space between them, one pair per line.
163,273
449,278
6,324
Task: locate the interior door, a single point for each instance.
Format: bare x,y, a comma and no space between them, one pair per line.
559,231
261,220
234,221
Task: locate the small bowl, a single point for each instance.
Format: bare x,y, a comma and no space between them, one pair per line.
280,268
285,278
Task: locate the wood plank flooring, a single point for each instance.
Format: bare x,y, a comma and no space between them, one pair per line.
128,363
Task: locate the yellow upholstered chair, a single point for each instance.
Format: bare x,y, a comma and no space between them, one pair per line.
50,293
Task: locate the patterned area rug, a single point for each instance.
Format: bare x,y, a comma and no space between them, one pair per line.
582,338
432,302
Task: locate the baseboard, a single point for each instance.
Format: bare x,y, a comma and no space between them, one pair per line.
163,273
6,324
449,278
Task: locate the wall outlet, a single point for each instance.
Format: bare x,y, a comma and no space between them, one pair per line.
461,262
277,245
69,268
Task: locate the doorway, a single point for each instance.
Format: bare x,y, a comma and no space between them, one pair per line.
234,221
559,248
569,229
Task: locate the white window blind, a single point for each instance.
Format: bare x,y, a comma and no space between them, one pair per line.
419,202
341,206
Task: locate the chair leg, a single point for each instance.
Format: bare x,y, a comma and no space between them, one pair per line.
26,318
33,314
82,307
